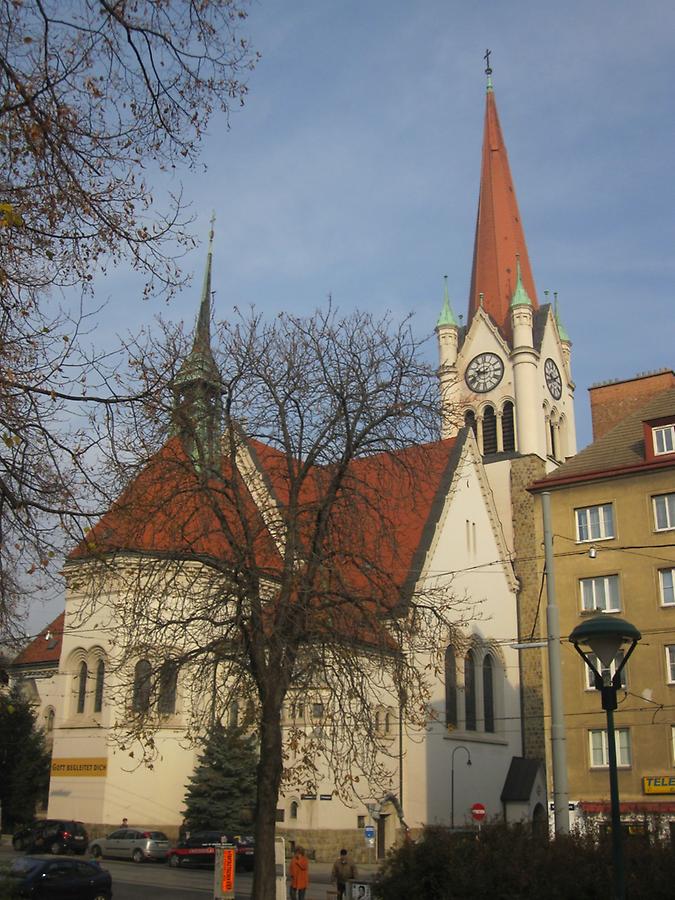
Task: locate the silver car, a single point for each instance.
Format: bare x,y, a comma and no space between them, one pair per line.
138,844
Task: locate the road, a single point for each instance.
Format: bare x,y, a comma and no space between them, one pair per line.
156,881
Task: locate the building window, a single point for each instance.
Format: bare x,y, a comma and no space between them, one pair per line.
595,523
590,677
360,821
387,722
317,710
233,715
293,810
470,420
664,511
450,688
470,692
599,750
670,663
82,687
488,694
98,691
49,720
666,582
168,682
664,439
508,427
298,711
142,686
489,430
600,594
281,815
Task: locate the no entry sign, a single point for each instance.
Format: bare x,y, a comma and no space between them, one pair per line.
478,812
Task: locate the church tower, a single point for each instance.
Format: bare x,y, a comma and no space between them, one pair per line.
197,388
507,372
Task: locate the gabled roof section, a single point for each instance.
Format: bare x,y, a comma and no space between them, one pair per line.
500,237
621,451
45,648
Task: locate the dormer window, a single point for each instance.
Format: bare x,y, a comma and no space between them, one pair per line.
664,439
659,437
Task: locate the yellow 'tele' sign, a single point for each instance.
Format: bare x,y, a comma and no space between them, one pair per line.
658,784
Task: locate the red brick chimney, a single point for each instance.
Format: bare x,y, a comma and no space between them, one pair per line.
612,401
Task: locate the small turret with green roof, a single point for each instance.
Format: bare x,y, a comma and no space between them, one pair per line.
562,332
447,316
520,296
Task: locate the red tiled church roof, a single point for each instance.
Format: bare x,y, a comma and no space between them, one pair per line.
45,648
376,537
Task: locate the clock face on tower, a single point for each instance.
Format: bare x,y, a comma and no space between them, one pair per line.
484,372
553,379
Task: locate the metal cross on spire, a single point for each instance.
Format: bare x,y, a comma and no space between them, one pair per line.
488,69
213,222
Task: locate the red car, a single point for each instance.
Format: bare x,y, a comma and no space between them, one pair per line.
199,849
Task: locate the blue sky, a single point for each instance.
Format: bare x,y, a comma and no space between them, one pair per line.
353,168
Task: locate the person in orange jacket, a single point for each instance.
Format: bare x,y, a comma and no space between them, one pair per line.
299,872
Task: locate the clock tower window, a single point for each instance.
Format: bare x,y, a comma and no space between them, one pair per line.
508,427
489,430
470,420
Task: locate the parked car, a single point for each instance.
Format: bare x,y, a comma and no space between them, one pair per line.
138,844
49,879
52,836
199,849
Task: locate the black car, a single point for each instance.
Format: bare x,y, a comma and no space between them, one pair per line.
52,836
59,879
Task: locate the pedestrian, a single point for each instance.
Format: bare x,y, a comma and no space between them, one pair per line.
299,872
124,823
344,870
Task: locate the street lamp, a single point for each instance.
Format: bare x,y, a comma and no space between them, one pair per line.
452,779
605,636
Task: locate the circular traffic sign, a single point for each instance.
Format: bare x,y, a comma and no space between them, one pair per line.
478,812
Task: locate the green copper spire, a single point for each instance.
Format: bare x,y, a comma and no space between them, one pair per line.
197,388
447,316
564,336
520,295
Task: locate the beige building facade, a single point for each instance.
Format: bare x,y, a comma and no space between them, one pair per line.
613,521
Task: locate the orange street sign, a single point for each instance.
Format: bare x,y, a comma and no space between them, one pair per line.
227,884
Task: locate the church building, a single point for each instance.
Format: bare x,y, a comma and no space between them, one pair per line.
507,407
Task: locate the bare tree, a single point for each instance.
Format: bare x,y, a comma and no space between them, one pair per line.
281,566
93,95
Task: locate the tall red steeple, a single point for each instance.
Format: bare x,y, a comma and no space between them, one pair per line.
500,238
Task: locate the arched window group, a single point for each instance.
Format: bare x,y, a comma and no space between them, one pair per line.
88,685
472,705
494,429
147,683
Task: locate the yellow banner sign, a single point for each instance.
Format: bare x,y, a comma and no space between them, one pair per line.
658,784
94,767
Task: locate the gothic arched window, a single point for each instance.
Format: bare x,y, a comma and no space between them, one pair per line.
489,430
98,689
82,686
450,688
470,420
168,681
470,691
488,694
142,686
294,809
508,427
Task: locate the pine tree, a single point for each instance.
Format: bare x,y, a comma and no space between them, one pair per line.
24,761
221,792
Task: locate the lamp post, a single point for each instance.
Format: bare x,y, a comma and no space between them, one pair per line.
452,779
605,636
